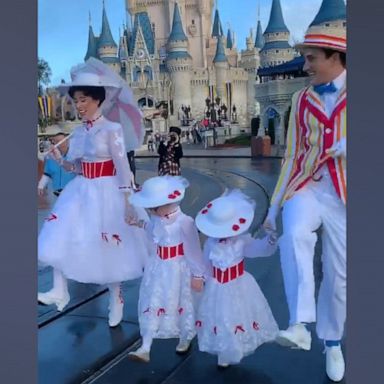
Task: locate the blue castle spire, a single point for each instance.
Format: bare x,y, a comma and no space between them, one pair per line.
330,10
177,32
106,35
276,21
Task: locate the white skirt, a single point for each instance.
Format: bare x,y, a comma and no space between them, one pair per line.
234,319
86,237
166,304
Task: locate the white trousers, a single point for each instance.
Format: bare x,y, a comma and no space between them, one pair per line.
314,205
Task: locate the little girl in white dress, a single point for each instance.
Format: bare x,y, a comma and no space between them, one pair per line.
166,304
234,317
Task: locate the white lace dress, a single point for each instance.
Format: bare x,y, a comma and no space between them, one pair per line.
234,318
85,236
166,303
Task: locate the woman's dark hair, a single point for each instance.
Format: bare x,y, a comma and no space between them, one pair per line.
96,93
343,56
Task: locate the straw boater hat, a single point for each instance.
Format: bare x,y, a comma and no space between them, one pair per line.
227,216
328,29
160,190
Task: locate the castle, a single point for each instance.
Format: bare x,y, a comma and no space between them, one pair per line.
177,52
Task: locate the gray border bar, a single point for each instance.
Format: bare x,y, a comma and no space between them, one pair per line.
365,192
18,67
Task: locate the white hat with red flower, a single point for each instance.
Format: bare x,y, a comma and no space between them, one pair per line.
160,190
228,215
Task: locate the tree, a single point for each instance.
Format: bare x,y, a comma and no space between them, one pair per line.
44,74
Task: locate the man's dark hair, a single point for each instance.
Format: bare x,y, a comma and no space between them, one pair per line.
96,93
343,57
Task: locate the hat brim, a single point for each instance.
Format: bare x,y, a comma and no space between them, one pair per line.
222,230
63,88
304,45
138,199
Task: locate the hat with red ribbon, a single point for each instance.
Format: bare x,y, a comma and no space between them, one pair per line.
228,215
160,190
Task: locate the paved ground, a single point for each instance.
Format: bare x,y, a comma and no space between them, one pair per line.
77,346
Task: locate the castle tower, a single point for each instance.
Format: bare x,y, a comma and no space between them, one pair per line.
249,41
179,63
220,63
217,29
229,39
92,42
276,49
259,41
106,46
332,12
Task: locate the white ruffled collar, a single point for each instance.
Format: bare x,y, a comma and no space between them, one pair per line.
224,253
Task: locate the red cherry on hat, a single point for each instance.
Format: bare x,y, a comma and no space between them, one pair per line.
242,221
204,211
177,193
235,227
209,205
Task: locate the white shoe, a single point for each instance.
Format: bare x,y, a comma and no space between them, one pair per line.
221,363
334,363
296,336
141,355
183,346
115,313
51,297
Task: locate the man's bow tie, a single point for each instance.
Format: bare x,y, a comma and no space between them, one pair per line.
325,88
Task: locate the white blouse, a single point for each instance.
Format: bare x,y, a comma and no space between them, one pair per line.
103,141
175,229
231,251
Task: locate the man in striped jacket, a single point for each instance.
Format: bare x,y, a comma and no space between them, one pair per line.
312,190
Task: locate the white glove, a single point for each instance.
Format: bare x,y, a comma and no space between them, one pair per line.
270,221
338,149
42,184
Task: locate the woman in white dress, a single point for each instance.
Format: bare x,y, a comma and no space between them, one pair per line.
87,236
166,303
234,317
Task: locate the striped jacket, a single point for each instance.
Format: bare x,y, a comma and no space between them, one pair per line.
310,133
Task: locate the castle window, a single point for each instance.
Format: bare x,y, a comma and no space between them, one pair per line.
327,24
193,22
277,51
344,23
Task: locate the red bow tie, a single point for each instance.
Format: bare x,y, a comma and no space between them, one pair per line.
89,123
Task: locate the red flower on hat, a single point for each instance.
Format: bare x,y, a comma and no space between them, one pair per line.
235,227
242,220
204,211
177,193
171,196
209,205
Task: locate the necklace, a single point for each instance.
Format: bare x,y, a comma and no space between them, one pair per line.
89,123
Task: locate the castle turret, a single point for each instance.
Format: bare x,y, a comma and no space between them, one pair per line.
229,39
107,47
330,11
259,41
276,49
92,43
179,62
217,29
220,62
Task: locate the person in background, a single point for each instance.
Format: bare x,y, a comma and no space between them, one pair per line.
170,154
52,170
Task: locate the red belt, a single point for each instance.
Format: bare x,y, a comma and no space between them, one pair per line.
170,252
229,274
98,169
